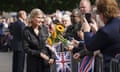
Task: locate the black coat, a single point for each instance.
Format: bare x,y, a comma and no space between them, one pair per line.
33,45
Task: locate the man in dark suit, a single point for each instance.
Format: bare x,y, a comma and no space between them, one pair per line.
17,45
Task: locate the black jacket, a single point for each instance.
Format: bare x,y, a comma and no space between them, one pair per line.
34,44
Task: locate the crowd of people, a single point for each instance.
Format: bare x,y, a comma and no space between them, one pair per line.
90,29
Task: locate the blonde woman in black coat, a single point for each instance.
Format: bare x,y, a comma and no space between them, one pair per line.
39,57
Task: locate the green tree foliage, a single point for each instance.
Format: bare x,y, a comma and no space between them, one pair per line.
92,2
48,6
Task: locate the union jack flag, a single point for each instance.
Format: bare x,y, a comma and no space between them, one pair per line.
87,64
63,62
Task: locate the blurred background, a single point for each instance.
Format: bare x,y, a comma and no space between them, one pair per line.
48,6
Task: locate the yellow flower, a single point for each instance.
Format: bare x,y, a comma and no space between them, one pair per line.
60,28
49,41
54,34
57,35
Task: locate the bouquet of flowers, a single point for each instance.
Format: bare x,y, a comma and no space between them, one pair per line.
57,35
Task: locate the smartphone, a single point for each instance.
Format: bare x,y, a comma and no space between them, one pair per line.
88,17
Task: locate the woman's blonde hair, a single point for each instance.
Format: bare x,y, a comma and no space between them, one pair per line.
34,12
109,8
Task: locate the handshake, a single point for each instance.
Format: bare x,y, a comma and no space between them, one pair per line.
78,49
73,44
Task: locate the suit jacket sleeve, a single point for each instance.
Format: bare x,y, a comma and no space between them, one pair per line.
98,41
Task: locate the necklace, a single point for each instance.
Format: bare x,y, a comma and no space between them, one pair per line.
36,31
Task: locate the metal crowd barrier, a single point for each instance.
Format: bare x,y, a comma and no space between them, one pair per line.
114,65
98,66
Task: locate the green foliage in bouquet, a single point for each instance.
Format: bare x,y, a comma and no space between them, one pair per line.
57,35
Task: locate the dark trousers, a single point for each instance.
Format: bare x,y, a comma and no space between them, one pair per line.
18,61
